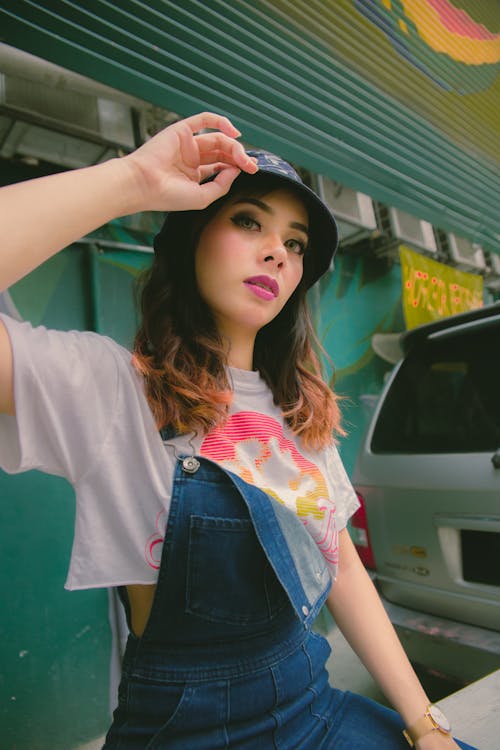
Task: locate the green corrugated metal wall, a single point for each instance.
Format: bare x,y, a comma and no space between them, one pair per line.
54,644
347,88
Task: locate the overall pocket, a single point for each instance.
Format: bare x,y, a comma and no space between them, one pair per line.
229,578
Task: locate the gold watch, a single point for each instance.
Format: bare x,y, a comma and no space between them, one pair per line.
433,720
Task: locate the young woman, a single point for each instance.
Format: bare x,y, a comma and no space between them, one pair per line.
208,486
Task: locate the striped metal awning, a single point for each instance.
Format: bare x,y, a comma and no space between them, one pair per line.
395,98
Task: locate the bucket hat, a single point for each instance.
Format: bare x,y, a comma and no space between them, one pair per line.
323,232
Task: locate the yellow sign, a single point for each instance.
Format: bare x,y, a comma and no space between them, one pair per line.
432,290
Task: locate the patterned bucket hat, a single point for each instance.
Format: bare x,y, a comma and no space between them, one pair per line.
323,232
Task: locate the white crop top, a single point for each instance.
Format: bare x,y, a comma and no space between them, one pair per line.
81,413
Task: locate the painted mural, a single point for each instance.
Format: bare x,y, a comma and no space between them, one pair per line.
439,59
440,39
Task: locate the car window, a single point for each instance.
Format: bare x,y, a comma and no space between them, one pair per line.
445,397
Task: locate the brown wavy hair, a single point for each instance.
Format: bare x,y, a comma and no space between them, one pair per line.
181,356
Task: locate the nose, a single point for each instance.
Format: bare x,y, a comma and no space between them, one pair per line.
274,250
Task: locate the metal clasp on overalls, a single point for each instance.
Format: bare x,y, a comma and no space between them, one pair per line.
190,464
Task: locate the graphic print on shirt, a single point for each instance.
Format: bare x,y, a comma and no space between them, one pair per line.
154,544
253,446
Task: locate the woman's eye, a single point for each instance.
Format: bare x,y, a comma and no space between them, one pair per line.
296,246
245,221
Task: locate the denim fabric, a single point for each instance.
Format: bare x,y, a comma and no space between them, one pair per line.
228,658
291,550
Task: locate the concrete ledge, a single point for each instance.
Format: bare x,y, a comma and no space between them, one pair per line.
474,712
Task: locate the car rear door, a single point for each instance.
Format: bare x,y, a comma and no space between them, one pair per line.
430,476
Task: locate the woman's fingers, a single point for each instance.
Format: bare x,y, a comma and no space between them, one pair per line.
218,147
213,121
209,170
169,167
206,149
218,187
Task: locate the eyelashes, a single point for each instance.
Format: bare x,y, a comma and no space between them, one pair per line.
245,220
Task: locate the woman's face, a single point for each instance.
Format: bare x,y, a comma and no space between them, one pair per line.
249,260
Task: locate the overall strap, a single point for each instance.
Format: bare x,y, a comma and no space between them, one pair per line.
292,552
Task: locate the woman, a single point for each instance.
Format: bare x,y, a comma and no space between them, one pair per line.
225,530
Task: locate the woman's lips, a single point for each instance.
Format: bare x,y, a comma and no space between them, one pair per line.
264,287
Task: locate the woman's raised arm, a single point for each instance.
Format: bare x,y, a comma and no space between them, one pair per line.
40,217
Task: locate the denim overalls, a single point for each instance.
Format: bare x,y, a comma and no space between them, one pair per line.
228,658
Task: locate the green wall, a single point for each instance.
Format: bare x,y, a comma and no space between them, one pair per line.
54,651
54,644
360,298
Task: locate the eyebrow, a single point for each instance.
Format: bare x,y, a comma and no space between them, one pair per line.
268,210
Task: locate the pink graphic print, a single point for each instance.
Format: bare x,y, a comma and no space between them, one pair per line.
154,544
253,446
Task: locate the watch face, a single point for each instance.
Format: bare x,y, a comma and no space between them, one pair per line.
440,719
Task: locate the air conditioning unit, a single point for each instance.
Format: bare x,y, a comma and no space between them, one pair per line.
492,279
64,127
495,264
466,254
413,231
353,211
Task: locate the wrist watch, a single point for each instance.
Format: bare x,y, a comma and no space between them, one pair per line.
433,720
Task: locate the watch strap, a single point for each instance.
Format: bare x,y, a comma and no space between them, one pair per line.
424,725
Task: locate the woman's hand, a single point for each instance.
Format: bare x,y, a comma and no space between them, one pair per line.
169,167
164,175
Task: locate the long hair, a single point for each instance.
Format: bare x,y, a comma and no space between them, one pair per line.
181,356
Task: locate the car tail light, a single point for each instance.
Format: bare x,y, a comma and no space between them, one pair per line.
361,536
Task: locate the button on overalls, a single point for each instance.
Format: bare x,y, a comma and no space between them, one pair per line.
228,658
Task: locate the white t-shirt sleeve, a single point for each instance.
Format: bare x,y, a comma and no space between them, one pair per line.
65,390
345,497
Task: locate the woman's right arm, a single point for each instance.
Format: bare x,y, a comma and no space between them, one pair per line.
41,217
